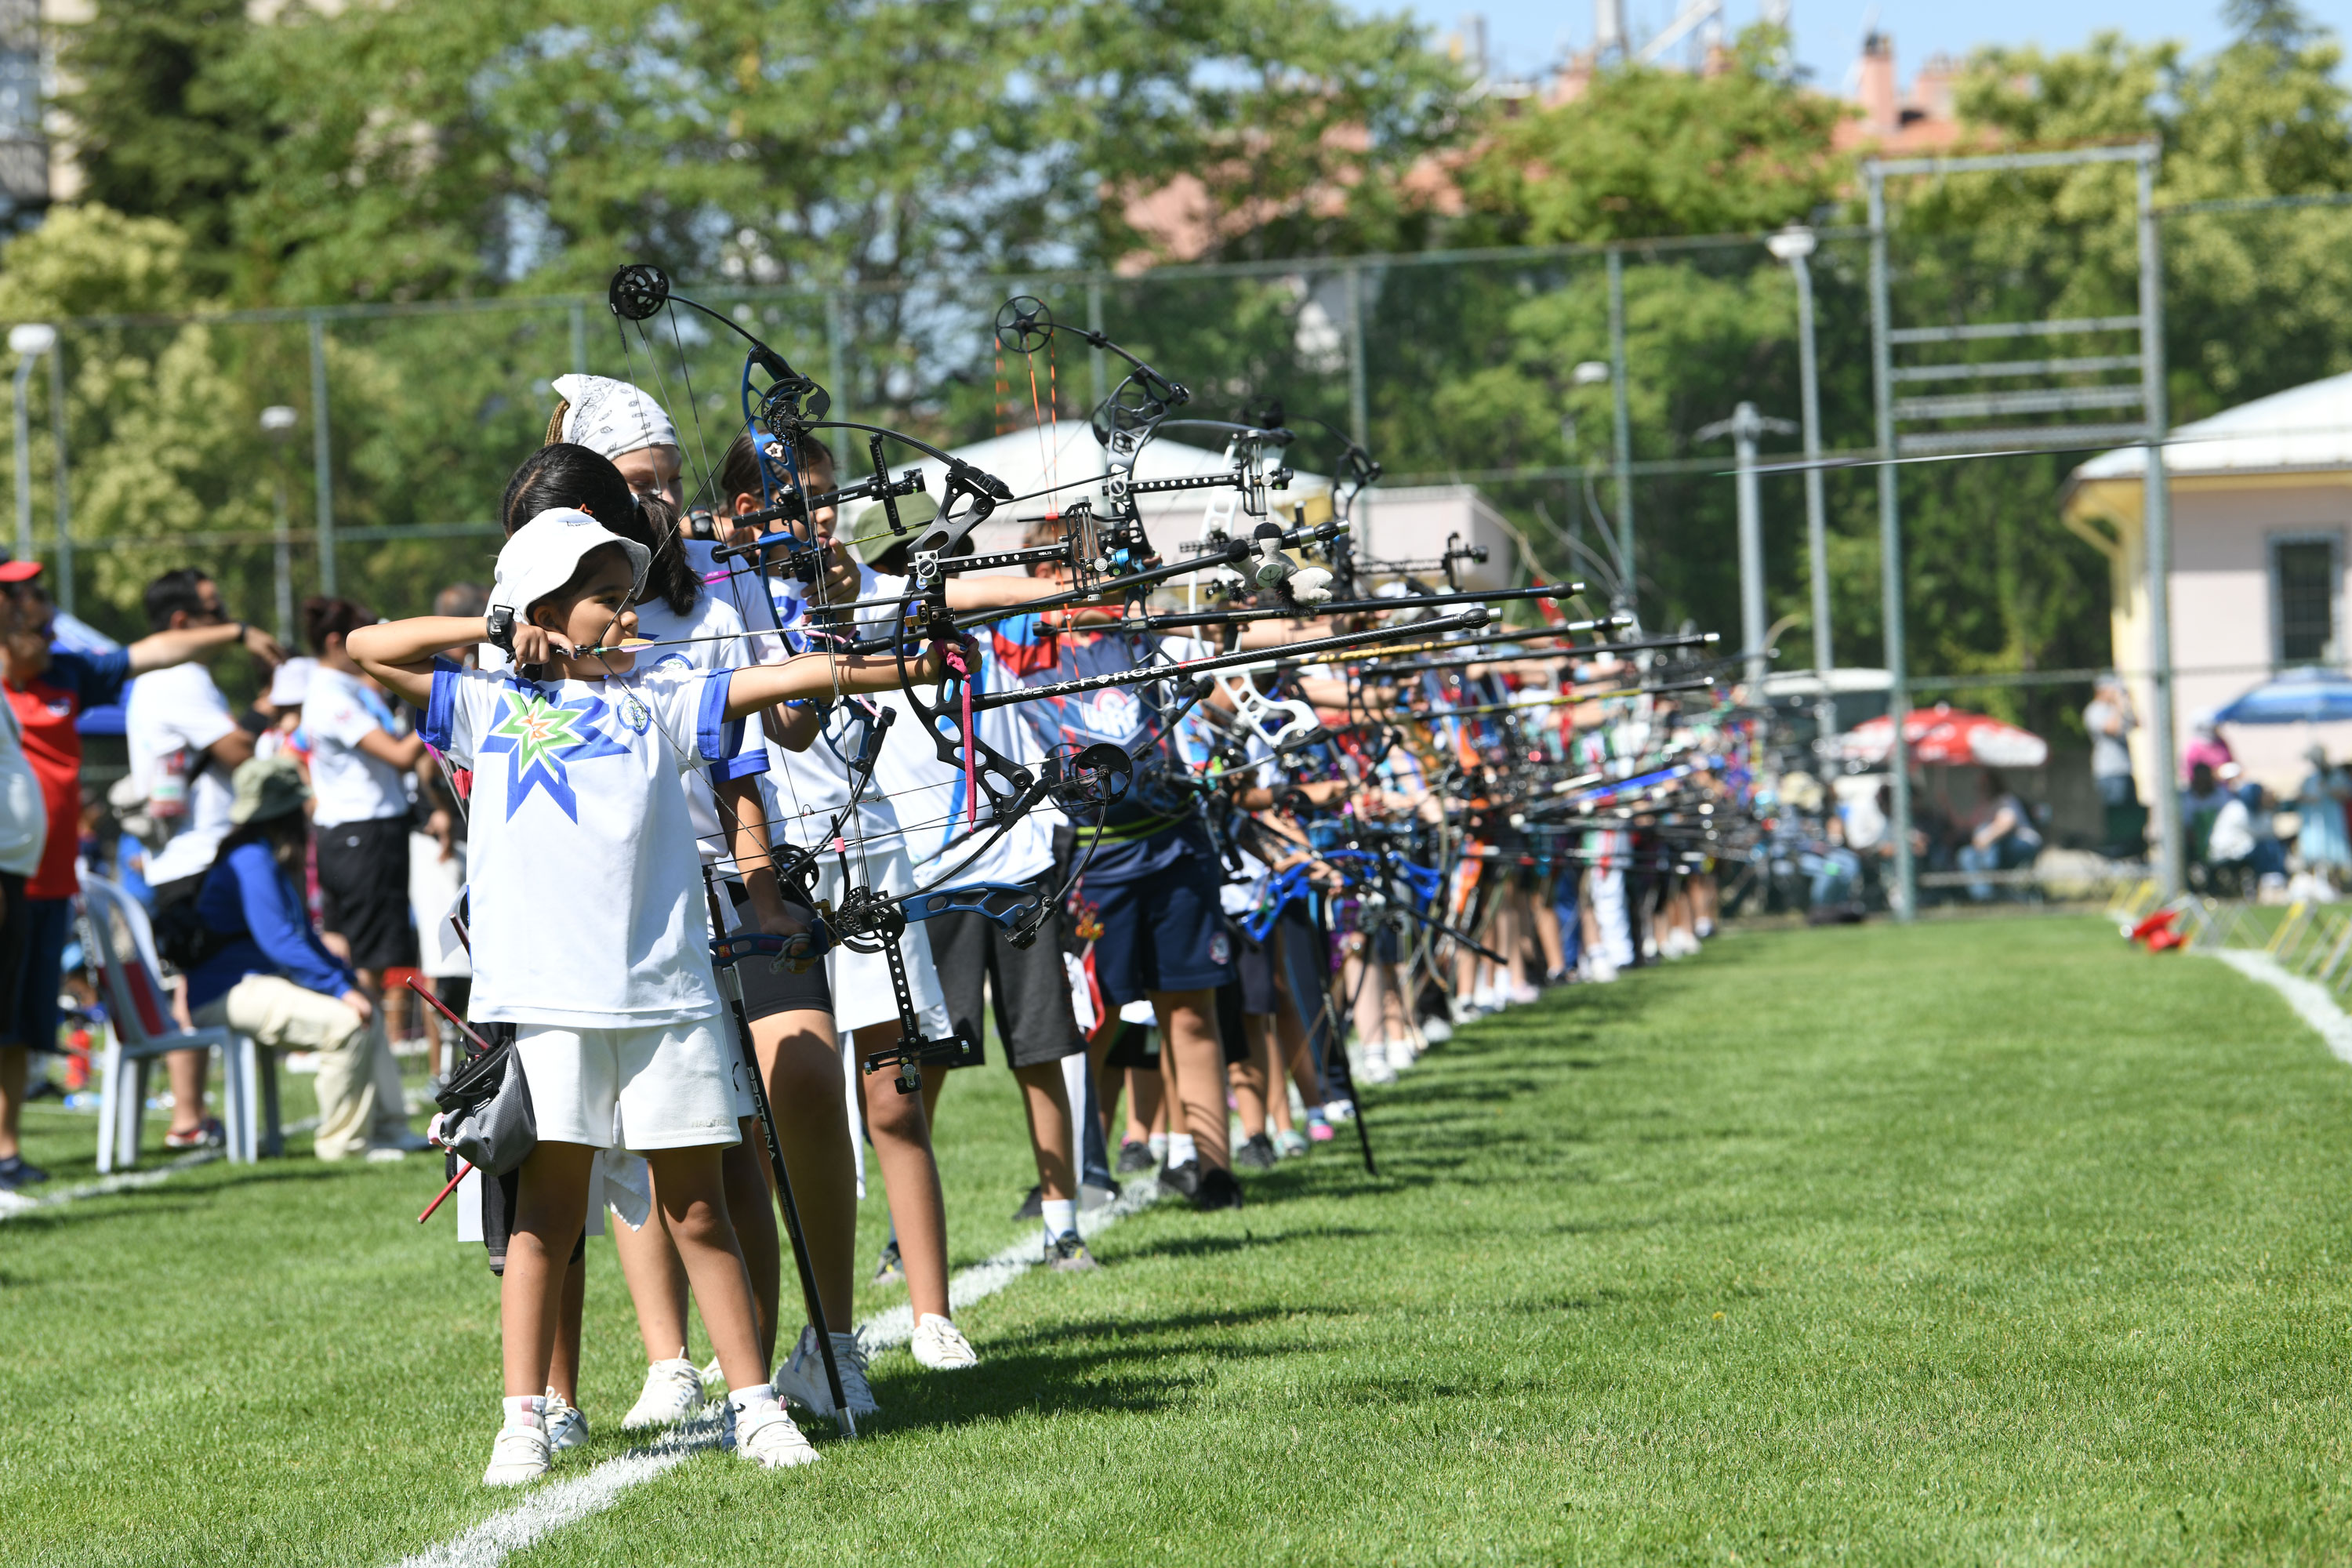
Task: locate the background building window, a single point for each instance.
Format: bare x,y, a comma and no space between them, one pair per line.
2303,587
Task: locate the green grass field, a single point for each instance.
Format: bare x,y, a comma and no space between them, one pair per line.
1993,1242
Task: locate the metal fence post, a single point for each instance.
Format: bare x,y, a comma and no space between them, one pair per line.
2157,508
579,339
1623,439
837,350
1096,390
1358,412
323,453
65,488
1890,550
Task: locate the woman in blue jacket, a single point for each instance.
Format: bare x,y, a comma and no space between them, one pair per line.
266,975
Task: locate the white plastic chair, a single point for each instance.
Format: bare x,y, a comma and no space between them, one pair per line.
140,1027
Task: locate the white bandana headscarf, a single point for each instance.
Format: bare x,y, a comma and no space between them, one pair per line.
612,417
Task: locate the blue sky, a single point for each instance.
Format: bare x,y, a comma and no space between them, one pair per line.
1526,35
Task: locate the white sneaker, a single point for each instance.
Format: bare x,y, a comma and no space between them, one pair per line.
939,1344
1436,1031
673,1392
802,1377
1401,1054
519,1455
714,1382
766,1436
1366,1067
1340,1110
566,1427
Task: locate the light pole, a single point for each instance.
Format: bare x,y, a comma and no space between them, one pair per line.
28,342
1744,425
1794,245
277,425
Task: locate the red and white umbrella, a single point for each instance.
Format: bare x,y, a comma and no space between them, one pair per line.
1949,736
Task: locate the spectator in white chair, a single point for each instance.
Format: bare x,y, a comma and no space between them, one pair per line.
256,965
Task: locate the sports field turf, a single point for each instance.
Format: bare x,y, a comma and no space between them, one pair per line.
1992,1242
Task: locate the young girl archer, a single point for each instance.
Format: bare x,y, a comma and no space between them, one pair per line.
588,928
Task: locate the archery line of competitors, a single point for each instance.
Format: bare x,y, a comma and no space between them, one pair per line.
604,796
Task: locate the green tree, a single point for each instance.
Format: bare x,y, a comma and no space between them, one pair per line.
1646,152
151,125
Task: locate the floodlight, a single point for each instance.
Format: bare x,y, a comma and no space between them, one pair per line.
1793,243
278,421
32,338
1591,372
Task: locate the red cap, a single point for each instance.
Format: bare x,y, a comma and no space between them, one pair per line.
19,571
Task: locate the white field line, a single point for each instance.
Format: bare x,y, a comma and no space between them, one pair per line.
14,1204
2311,1000
551,1507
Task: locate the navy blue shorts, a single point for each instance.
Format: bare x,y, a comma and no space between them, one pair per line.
1161,932
48,926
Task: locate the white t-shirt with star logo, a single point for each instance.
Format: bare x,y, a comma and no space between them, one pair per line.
583,884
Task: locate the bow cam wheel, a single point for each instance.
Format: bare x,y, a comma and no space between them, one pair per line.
1024,323
638,291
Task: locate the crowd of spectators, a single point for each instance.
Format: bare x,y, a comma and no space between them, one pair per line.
272,852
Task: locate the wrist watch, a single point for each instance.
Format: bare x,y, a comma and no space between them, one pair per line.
501,625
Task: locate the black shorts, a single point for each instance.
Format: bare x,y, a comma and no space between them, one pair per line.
1134,1045
363,884
15,935
1233,1024
1029,987
769,990
1253,973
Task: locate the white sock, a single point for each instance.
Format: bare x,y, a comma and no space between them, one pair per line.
1157,1144
1060,1217
526,1410
1181,1149
752,1398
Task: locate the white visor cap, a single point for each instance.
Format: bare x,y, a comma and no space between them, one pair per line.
541,555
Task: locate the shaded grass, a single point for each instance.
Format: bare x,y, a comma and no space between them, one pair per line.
1992,1242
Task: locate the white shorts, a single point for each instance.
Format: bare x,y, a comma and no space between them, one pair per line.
665,1086
861,981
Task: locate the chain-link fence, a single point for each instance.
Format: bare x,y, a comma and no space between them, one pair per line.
1569,383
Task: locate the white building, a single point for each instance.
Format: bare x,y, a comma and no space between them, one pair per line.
2261,505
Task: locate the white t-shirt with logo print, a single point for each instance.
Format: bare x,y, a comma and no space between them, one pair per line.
348,784
584,887
709,636
180,709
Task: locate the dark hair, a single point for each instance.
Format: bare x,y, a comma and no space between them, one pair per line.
566,474
288,834
461,599
739,471
324,619
174,592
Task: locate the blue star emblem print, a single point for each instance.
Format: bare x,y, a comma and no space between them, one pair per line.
542,739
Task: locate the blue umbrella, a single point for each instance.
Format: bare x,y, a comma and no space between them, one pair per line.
2296,697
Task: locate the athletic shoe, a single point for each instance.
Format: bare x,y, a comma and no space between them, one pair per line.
939,1344
673,1392
1183,1180
1365,1067
1218,1190
1093,1195
1523,994
1034,1205
714,1382
206,1134
1134,1157
519,1455
385,1154
15,1172
410,1141
1340,1110
566,1427
1255,1154
802,1377
1067,1254
1319,1130
1401,1054
1289,1144
766,1436
892,1268
1558,977
1436,1031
